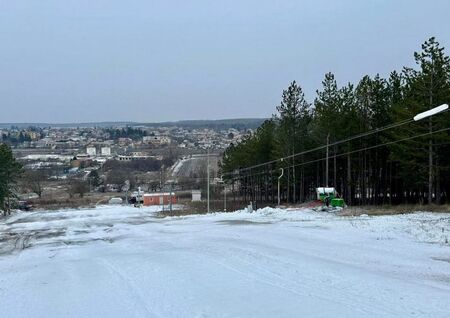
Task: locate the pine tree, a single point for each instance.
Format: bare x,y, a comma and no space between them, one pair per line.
292,119
414,166
9,173
425,88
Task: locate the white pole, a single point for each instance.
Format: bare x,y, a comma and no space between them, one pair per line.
281,175
326,163
224,197
207,176
170,197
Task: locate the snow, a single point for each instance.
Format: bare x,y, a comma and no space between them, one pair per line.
129,262
177,166
45,157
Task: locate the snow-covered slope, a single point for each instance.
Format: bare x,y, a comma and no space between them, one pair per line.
126,262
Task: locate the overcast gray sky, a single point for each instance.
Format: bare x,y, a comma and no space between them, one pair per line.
143,60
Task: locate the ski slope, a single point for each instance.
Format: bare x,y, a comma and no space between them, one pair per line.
127,262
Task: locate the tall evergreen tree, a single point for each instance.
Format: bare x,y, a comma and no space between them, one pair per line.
292,118
9,173
414,166
425,87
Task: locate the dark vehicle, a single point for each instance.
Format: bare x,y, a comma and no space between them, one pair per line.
24,206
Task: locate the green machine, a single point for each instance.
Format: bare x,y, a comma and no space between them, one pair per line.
329,192
337,202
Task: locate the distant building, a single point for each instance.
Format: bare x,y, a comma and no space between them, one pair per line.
148,139
196,195
91,151
34,135
159,198
106,151
132,157
156,140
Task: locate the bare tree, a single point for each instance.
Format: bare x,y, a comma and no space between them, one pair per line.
34,180
79,187
120,177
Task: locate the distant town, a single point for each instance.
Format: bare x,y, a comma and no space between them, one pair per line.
66,162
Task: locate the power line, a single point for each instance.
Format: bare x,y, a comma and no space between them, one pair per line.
359,150
377,130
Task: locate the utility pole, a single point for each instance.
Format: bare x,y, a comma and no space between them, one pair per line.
430,147
170,197
326,162
430,142
207,177
430,163
224,197
279,178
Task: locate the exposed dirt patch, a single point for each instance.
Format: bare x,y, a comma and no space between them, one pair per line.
394,209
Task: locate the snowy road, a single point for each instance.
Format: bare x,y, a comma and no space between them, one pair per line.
126,262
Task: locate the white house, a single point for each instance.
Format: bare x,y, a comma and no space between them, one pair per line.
91,151
196,195
106,151
156,140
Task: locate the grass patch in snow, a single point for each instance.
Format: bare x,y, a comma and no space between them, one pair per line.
394,209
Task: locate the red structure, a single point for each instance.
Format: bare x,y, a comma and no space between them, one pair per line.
159,198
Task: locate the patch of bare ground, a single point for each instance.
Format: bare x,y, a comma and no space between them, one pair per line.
191,208
394,209
53,202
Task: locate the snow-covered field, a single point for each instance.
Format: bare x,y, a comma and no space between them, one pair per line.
126,262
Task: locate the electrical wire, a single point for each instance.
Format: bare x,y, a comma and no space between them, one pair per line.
401,123
358,150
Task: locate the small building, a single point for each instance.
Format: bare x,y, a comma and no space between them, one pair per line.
196,195
91,151
106,151
156,140
131,157
159,198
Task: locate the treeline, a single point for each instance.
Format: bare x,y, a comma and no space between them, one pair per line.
15,136
128,132
14,139
409,163
139,165
241,124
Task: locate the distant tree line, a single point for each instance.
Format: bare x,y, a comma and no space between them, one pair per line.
409,163
128,132
138,165
119,173
14,139
241,124
17,136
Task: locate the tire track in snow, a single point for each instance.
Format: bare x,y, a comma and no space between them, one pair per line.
277,280
139,300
